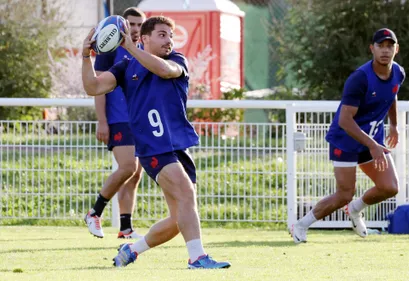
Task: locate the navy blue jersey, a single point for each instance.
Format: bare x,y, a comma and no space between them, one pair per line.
373,97
156,106
116,109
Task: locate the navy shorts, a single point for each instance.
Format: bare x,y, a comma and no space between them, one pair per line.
154,164
120,134
348,159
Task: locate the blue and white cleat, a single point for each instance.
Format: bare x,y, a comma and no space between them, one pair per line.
207,262
125,256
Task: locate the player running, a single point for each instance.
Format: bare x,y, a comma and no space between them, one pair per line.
357,137
156,83
113,129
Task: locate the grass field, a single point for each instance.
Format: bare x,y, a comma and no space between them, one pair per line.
70,253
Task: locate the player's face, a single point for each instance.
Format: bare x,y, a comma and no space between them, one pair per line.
384,52
160,41
135,24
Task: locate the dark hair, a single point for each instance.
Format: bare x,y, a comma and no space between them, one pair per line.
149,25
133,11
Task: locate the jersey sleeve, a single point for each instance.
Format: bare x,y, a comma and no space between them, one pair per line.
355,88
118,70
104,62
403,74
182,61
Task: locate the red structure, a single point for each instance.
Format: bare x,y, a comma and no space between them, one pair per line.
215,23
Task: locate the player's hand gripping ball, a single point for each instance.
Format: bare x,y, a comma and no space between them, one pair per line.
108,35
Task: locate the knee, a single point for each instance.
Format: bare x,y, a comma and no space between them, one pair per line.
185,194
127,169
135,178
138,173
345,194
389,189
344,198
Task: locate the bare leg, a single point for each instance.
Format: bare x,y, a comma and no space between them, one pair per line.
386,182
177,185
345,178
124,155
127,192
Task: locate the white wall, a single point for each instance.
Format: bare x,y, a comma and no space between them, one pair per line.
80,16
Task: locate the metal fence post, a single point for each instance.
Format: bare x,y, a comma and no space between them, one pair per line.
401,159
290,118
114,200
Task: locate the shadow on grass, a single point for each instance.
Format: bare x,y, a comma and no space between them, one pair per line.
58,249
6,270
35,239
245,244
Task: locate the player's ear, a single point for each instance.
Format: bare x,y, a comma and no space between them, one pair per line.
371,47
397,48
143,39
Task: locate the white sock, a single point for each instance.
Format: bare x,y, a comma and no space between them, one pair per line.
307,220
358,205
140,246
195,249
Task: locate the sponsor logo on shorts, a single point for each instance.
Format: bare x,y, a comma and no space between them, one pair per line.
337,152
154,162
118,137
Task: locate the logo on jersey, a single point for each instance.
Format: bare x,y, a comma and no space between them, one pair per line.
395,89
135,77
374,94
337,152
118,137
154,162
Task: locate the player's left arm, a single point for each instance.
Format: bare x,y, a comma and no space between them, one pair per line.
393,138
166,69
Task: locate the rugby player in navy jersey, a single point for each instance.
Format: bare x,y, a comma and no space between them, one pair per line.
357,137
114,130
156,82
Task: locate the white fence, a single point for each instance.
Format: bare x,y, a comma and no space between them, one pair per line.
247,172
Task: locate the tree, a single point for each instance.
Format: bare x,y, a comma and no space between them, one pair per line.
27,30
322,41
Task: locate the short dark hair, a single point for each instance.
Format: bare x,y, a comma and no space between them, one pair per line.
133,11
149,25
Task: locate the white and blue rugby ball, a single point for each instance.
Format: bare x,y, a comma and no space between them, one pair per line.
108,35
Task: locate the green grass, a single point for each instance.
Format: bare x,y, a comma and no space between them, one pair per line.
70,253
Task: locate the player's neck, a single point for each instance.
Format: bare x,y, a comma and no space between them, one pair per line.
382,71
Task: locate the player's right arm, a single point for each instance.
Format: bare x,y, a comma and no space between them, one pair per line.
102,63
94,85
354,90
100,110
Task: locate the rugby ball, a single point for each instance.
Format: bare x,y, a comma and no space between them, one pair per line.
108,35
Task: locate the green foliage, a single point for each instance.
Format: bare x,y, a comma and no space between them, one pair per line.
219,115
26,30
323,41
81,113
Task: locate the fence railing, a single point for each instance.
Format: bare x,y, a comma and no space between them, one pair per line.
247,172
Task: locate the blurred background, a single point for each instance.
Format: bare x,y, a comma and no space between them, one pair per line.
249,49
